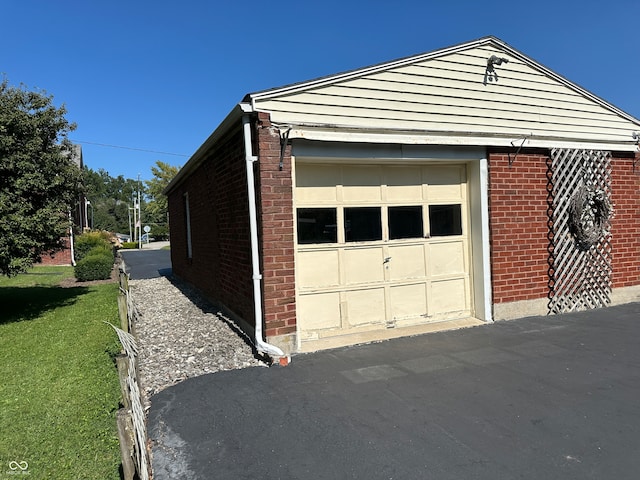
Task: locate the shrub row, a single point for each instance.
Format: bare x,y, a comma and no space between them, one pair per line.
94,267
95,256
88,241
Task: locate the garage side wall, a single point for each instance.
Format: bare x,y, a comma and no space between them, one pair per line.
519,232
276,239
220,263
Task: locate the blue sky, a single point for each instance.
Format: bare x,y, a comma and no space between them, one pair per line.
157,77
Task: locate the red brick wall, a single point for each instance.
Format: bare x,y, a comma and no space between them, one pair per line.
221,251
62,257
625,226
277,230
518,226
219,209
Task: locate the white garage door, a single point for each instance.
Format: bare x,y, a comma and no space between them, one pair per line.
380,246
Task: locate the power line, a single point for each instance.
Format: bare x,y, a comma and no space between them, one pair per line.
129,148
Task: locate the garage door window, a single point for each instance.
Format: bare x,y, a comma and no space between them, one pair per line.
317,225
445,220
362,224
405,222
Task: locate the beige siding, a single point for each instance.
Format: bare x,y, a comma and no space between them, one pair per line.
447,94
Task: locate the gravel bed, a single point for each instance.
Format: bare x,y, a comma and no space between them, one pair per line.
181,335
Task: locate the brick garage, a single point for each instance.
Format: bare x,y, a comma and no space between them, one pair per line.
388,201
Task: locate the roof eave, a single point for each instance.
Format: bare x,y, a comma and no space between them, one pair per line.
199,156
453,138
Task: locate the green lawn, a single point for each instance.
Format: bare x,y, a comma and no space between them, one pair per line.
59,389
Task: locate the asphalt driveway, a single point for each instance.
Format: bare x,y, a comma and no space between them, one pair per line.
539,398
147,263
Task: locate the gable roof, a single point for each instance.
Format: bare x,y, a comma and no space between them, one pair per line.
451,96
444,97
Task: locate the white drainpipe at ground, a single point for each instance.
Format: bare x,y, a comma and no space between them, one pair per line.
261,345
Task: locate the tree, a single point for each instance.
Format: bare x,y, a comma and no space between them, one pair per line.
39,183
157,210
110,199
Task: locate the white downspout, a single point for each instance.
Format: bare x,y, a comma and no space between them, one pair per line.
261,345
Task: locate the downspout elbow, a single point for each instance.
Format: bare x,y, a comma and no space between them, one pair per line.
261,345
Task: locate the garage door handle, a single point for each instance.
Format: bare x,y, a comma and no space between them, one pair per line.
387,260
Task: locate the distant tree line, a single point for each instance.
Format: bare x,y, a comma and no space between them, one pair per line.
112,198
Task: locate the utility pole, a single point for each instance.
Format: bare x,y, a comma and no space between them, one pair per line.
139,217
135,225
130,233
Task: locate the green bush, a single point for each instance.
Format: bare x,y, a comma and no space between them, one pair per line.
101,250
94,267
129,245
87,241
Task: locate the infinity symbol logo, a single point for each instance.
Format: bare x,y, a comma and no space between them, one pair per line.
18,465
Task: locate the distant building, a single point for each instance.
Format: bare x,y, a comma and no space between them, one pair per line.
78,220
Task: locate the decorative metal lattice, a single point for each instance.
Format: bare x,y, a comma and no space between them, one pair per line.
579,235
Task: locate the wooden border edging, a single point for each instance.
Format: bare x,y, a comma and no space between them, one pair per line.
131,419
125,435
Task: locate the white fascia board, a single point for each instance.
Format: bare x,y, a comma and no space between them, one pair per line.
196,159
453,139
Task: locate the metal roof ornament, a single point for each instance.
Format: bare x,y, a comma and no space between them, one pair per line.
490,74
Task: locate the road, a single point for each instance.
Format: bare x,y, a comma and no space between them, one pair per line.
150,262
